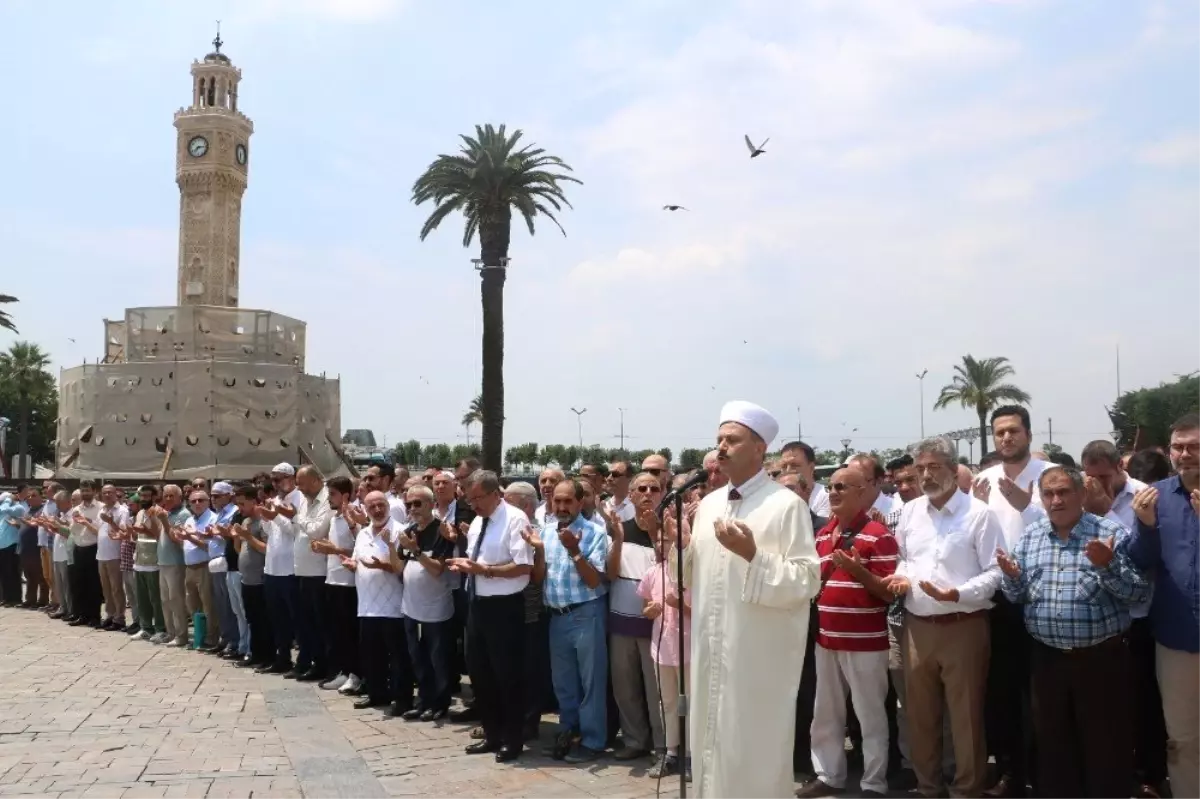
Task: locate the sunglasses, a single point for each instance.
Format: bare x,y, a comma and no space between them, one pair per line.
617,475
655,472
645,489
415,503
842,487
774,474
198,501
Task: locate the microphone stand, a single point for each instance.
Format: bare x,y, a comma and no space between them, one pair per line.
681,686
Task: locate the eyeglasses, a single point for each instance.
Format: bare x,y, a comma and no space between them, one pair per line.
617,475
198,501
415,503
648,489
840,488
655,472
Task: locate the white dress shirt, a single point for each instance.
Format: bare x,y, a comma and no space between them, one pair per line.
818,501
82,535
539,515
107,547
280,560
502,544
380,593
1012,521
625,510
342,537
398,511
1122,513
312,523
954,547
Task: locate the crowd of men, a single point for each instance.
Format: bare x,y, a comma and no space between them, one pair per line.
1032,614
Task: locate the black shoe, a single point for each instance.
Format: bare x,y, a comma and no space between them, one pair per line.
467,713
294,674
434,715
107,624
312,675
508,753
275,668
247,663
367,702
482,747
398,710
412,714
77,622
563,742
94,624
130,629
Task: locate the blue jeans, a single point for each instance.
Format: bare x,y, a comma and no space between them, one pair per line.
579,670
429,650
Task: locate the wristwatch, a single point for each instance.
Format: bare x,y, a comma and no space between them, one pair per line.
578,556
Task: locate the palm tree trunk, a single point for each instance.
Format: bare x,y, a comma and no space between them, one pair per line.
23,443
493,238
983,433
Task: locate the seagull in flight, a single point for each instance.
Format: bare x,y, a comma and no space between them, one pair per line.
674,208
755,152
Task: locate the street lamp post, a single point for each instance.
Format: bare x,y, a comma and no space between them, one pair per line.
921,381
579,421
970,436
845,448
622,412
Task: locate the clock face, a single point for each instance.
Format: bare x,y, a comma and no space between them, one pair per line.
240,153
198,146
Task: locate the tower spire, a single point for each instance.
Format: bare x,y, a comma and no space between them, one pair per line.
217,41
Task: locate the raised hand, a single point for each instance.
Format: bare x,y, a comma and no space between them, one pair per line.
373,563
349,563
464,566
1145,505
1096,498
407,542
1100,552
981,488
652,610
875,515
447,531
937,592
898,584
670,529
1195,498
1016,497
532,538
569,540
735,536
1007,565
847,559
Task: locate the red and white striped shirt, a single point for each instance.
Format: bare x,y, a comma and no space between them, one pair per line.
851,618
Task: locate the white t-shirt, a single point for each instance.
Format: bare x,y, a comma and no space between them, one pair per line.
1012,521
625,511
108,548
380,593
427,597
342,537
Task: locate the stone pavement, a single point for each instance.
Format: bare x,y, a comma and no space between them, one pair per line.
89,713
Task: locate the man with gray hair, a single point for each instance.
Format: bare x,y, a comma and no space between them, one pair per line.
539,693
947,573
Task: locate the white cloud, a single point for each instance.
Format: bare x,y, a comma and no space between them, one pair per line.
335,11
1178,150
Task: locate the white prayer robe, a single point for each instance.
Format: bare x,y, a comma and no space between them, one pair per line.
749,629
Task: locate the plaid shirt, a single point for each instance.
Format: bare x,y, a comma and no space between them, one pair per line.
1070,603
563,586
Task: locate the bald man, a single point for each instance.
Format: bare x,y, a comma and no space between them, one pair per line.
716,478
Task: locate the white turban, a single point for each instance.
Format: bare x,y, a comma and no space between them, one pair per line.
754,417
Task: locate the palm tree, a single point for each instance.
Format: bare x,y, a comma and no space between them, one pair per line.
6,321
485,182
24,367
977,384
473,415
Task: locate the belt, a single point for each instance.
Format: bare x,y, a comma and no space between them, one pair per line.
948,618
1112,642
563,611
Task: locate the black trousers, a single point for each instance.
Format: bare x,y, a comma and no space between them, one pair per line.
459,654
262,635
1149,728
1082,717
806,698
281,605
37,592
310,627
10,576
429,650
1007,706
89,597
495,660
341,628
539,688
384,660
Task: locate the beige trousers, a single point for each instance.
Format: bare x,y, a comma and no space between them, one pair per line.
198,588
1179,681
113,588
174,602
945,669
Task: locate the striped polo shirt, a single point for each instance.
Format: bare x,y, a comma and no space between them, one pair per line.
851,618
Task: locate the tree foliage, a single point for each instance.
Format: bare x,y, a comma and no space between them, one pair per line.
1144,417
692,458
978,385
6,321
29,399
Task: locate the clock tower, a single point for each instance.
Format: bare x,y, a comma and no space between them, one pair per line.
212,157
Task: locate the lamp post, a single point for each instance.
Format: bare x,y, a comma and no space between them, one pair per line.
622,412
579,421
845,448
921,382
956,437
971,435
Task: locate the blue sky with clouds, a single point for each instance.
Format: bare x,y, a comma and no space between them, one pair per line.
1000,178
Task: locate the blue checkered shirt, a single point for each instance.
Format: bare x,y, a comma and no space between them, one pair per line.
1070,603
563,586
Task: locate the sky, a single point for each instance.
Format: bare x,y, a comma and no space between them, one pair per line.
943,177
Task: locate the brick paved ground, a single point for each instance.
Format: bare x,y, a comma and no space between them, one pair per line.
95,714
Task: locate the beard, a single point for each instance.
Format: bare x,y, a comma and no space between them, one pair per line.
1019,456
941,487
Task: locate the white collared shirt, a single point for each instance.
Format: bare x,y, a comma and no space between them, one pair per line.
108,548
818,501
954,547
1122,513
380,593
82,535
502,544
539,514
281,559
311,523
625,510
1012,521
398,511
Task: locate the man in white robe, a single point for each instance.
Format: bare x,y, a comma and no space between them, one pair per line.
753,570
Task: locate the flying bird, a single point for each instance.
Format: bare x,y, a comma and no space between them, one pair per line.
755,152
674,208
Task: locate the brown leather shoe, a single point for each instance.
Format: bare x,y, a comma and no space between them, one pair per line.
1005,788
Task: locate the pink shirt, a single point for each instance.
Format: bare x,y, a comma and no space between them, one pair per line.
666,626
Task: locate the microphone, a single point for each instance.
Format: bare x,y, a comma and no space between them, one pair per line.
698,479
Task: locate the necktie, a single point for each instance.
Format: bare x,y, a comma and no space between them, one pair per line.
483,526
734,494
